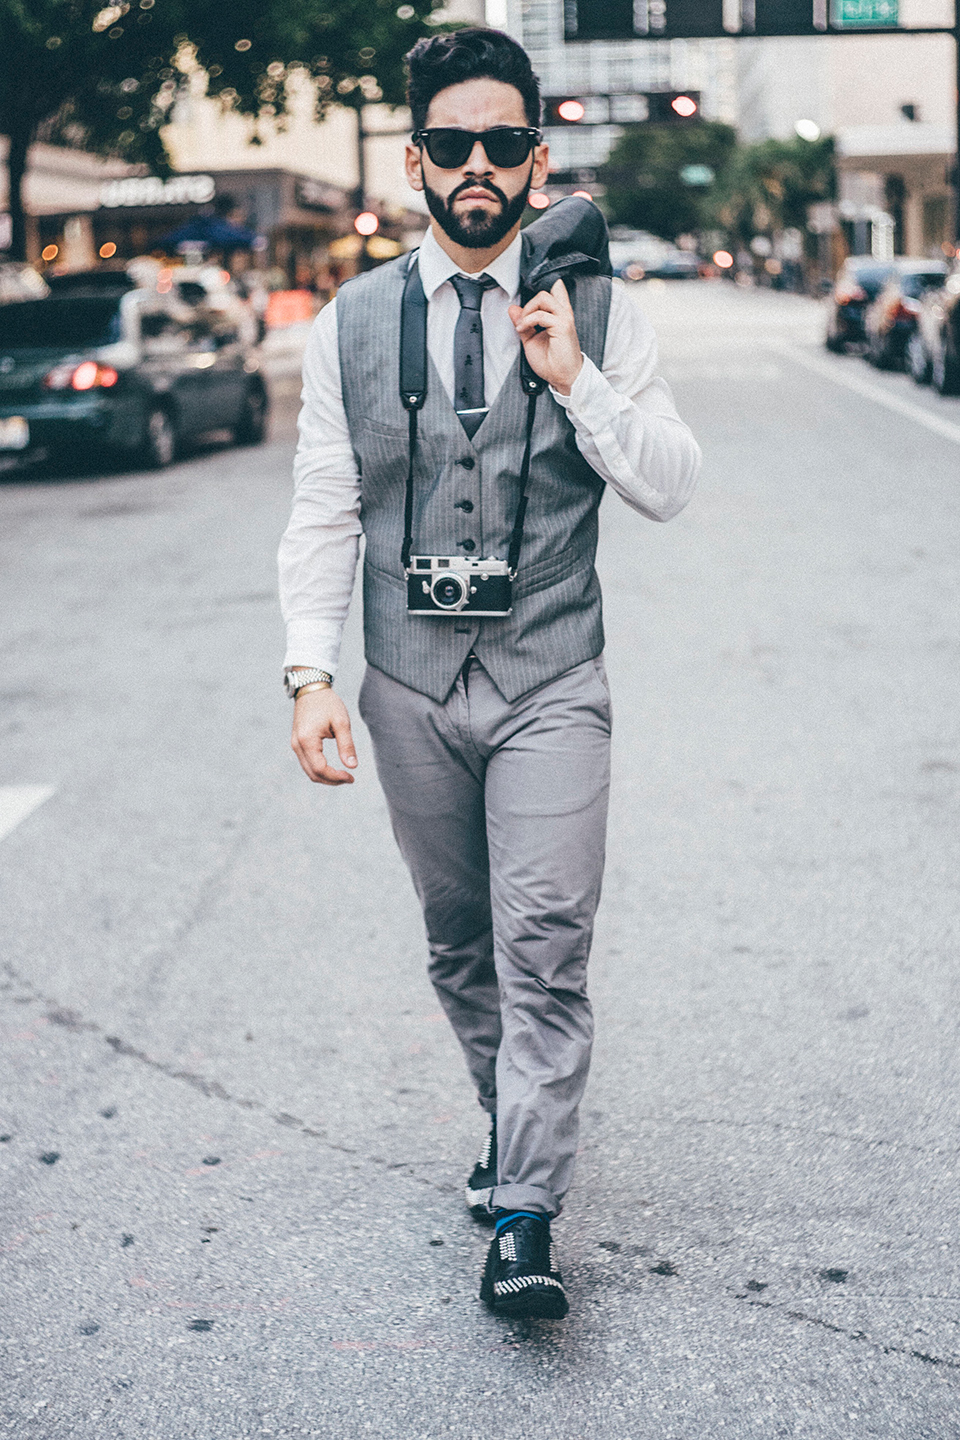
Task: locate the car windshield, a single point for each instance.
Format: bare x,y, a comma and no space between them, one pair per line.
914,285
870,277
74,323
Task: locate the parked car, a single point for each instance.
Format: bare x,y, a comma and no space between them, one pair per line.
933,350
675,265
858,282
114,371
891,319
634,258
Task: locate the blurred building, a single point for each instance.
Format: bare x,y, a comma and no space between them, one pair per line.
890,100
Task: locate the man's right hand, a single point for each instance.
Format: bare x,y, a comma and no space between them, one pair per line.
321,715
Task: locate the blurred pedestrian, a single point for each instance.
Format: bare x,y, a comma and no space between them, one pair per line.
485,692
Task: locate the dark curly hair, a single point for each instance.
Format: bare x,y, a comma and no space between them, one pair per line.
436,62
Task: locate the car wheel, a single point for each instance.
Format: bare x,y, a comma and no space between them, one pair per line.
159,440
918,361
251,429
878,355
946,371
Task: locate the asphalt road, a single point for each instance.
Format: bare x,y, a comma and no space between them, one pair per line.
236,1128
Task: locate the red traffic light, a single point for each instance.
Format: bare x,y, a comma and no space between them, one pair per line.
674,107
571,110
563,110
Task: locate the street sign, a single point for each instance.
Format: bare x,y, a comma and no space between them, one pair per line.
848,14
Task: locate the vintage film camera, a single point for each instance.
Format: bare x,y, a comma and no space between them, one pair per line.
449,584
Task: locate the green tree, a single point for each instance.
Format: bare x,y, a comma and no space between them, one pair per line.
103,77
644,176
769,186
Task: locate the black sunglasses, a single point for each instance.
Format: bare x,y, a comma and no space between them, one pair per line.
505,146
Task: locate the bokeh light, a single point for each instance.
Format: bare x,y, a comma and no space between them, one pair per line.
723,259
571,110
50,252
108,250
538,200
807,130
684,105
366,223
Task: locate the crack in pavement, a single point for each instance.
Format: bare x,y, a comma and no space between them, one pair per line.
861,1335
74,1023
788,1127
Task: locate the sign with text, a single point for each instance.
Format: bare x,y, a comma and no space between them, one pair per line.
713,19
850,14
145,190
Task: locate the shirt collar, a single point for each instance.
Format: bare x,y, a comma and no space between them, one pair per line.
436,267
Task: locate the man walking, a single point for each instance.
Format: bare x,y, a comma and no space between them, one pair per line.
485,693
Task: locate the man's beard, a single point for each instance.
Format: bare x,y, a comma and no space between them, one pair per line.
477,229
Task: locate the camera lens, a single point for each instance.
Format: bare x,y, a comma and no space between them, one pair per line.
449,591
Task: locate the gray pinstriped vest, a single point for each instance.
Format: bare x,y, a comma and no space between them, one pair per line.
468,490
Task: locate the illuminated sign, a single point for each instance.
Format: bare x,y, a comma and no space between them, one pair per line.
140,190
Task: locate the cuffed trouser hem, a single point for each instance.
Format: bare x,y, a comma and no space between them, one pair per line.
524,1197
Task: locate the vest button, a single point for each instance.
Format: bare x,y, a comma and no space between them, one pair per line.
468,545
465,505
467,462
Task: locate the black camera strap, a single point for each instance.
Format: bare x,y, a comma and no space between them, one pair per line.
413,396
413,384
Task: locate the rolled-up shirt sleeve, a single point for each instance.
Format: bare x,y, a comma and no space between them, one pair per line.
318,553
626,422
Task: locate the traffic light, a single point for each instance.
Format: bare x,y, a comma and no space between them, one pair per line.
563,110
674,107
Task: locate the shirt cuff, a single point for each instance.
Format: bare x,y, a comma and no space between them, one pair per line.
593,404
314,643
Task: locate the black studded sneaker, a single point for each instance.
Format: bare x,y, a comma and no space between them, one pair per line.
483,1178
521,1276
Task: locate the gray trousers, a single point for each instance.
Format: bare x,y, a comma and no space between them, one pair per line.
500,811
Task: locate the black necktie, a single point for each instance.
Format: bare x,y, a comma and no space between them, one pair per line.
468,396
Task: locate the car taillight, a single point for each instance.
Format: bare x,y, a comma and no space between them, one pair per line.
850,295
88,375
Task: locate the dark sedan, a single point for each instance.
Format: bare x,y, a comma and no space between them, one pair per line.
891,319
125,374
858,282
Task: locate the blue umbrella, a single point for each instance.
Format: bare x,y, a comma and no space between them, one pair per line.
210,230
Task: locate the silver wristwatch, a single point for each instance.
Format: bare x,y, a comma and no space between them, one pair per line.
294,680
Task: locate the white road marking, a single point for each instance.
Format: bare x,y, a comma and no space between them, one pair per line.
948,429
19,801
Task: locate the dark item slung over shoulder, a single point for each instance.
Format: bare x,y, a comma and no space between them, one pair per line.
570,240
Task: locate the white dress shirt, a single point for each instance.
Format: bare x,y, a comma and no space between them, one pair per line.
627,429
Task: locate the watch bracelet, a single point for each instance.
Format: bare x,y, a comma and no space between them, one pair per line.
311,685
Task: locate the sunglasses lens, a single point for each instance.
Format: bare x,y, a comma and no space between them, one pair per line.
449,148
506,148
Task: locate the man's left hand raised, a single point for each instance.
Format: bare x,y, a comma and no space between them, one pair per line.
548,333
